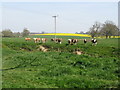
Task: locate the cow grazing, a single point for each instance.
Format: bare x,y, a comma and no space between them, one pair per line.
59,40
44,40
27,39
72,41
53,39
94,42
85,41
36,40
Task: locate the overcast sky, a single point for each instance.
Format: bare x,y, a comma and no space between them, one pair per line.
72,16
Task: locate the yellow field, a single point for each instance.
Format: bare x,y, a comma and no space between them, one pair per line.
65,34
111,37
71,34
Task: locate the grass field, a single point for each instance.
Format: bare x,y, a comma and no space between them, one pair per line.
26,67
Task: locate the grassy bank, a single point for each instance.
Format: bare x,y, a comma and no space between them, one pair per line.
26,67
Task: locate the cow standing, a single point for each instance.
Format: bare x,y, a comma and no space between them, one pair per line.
44,40
59,40
94,42
36,40
27,39
52,39
72,41
85,41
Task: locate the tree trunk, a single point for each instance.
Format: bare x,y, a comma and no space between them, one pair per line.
109,36
106,36
92,36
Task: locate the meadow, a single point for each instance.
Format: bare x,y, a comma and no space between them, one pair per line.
24,66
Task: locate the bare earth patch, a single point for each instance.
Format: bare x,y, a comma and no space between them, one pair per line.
42,48
78,52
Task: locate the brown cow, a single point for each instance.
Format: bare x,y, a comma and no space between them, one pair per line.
44,40
36,40
27,39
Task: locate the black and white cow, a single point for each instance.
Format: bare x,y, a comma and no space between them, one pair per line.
94,42
53,39
85,41
72,41
57,40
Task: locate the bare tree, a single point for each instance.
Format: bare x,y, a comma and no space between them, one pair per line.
109,29
25,32
94,30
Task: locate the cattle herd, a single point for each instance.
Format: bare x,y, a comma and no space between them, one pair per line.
59,40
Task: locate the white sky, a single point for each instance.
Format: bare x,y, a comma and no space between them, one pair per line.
72,16
59,0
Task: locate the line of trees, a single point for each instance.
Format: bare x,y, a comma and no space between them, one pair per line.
107,29
9,33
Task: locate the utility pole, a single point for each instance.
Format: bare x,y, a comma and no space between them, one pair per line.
55,25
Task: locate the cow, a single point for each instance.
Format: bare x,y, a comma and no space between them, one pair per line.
72,41
27,39
44,40
53,39
58,40
85,41
36,40
94,42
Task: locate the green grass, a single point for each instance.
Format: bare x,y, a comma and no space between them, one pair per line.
59,67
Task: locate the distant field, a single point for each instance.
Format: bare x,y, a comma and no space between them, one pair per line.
26,67
65,34
58,36
70,35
